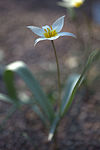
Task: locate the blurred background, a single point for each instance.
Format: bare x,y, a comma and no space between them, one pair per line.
24,129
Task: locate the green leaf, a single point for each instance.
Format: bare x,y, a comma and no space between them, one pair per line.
41,99
54,127
5,98
37,110
74,83
9,82
70,90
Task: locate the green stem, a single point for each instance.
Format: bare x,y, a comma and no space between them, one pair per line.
58,72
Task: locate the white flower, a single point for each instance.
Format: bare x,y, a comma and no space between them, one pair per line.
71,3
50,32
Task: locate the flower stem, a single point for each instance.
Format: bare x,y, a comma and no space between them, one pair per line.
58,72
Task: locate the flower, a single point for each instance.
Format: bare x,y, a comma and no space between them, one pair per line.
71,3
50,32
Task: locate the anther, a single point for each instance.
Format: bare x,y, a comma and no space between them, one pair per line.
51,27
45,30
48,29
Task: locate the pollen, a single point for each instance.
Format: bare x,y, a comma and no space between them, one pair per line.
78,4
49,32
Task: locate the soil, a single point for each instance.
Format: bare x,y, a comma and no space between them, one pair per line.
80,128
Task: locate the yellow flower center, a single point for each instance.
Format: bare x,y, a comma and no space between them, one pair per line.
50,32
78,4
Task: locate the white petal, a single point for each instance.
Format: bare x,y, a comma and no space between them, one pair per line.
65,4
58,24
66,34
53,38
45,27
36,30
39,39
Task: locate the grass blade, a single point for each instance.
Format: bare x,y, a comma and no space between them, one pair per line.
74,83
41,99
5,98
70,91
9,82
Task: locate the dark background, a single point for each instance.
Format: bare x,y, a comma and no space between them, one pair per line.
80,129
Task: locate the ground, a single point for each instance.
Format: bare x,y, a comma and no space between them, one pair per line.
80,128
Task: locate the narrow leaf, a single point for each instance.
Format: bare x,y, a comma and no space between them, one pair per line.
9,82
54,127
5,98
37,110
41,99
68,92
73,84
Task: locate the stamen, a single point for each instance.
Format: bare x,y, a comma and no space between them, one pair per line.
51,27
49,32
48,29
45,30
